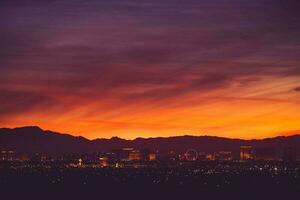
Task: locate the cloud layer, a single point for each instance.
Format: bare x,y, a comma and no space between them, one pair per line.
145,63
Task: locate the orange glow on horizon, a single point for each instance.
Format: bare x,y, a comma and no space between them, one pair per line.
151,69
254,112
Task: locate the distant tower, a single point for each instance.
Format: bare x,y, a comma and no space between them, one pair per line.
246,153
80,162
103,161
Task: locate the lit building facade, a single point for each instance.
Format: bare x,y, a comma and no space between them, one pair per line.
152,156
246,153
104,161
225,155
135,155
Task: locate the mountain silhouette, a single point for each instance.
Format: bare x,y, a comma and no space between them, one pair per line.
32,140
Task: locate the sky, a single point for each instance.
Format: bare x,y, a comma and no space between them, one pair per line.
137,68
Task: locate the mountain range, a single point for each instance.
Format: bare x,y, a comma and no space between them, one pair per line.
32,139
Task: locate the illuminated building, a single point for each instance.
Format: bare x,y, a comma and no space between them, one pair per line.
104,161
135,155
7,155
124,154
210,157
80,162
152,156
225,155
246,153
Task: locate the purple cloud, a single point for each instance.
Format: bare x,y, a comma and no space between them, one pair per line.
98,49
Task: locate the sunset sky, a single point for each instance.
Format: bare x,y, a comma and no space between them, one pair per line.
137,68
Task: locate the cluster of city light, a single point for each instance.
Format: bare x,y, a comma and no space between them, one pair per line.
139,157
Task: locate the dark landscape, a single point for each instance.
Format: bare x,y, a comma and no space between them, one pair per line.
34,140
42,162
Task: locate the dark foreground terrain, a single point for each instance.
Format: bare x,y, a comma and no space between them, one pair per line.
32,140
225,180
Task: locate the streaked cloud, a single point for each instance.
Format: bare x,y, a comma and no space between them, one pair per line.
147,63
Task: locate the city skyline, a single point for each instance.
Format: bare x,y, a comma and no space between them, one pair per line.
163,68
23,140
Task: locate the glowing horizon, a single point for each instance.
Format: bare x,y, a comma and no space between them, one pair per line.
151,69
